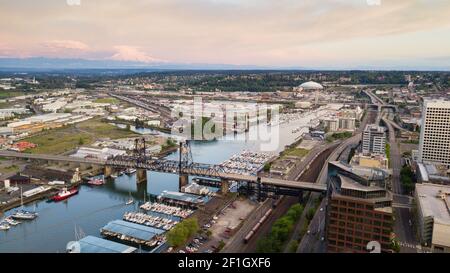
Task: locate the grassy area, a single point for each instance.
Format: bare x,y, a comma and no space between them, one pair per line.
58,141
299,152
9,169
336,136
64,139
10,94
103,130
107,100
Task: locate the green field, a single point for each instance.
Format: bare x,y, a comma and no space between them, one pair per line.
107,100
61,140
9,94
298,152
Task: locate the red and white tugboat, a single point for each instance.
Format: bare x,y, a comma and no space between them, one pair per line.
64,194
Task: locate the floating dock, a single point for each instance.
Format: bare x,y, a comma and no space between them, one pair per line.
181,199
132,232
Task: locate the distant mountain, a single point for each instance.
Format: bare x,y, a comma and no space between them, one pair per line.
42,63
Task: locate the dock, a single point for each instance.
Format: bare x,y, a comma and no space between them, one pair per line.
181,199
134,233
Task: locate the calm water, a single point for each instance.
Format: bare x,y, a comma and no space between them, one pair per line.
93,207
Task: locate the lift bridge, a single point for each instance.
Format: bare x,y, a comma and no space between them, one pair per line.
184,167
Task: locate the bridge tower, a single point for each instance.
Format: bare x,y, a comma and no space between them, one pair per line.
184,162
140,155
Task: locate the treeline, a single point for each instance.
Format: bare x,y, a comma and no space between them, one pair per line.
280,231
181,233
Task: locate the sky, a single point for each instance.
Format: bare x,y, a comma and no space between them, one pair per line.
272,33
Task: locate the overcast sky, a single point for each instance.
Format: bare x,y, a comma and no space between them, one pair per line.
301,33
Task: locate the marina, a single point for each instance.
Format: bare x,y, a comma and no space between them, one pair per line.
246,162
133,233
150,220
166,209
181,199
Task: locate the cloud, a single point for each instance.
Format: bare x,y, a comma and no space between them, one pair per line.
66,44
261,32
132,53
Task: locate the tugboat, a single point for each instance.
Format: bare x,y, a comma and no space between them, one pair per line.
64,194
96,181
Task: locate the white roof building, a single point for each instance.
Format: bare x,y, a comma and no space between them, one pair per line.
311,86
433,204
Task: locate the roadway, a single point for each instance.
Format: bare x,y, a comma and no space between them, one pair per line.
402,212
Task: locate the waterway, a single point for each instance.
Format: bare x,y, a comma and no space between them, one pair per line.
93,207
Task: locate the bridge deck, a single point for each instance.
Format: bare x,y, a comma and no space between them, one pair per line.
171,166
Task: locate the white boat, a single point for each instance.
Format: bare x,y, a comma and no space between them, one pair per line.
130,201
24,214
11,221
4,226
113,176
130,171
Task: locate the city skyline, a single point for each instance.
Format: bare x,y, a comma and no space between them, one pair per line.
331,34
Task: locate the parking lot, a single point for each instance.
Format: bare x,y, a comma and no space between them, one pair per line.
222,226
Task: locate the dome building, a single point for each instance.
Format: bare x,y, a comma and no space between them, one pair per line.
311,86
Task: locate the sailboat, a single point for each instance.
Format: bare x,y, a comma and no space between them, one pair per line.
24,214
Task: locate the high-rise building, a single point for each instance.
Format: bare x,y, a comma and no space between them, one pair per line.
374,139
434,144
359,210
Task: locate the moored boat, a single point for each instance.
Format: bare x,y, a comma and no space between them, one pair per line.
96,181
24,214
64,194
4,226
11,221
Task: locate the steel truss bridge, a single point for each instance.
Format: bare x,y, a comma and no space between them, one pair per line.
182,167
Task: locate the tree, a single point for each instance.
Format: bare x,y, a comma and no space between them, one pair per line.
80,141
182,232
310,214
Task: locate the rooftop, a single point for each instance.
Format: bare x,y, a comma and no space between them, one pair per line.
434,201
311,85
133,230
92,244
